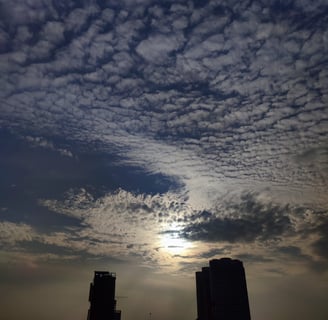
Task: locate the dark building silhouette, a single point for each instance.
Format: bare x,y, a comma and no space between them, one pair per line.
222,291
102,297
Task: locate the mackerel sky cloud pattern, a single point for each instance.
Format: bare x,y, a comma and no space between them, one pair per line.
127,123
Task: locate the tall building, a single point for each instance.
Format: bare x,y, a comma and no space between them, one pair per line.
102,297
222,292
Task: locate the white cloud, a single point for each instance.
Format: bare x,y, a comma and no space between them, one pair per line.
13,233
156,48
118,224
44,143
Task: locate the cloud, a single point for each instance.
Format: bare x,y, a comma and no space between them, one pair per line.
254,258
41,142
290,231
320,244
13,233
117,224
163,230
244,222
156,48
215,253
218,99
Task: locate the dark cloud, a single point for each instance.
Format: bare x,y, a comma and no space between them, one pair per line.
36,247
294,253
291,250
215,253
320,245
254,258
249,220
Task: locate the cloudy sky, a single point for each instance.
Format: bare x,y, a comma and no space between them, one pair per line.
146,137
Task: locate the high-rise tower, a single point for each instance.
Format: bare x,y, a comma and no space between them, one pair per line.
102,297
222,291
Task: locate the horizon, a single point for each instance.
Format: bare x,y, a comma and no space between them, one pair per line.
148,137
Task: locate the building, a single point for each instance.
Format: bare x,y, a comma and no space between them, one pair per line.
222,292
102,297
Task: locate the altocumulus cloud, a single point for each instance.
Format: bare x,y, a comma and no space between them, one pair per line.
117,224
220,96
124,224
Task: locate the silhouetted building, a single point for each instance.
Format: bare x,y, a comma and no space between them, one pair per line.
222,291
102,297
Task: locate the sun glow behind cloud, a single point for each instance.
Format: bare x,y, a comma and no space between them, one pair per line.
173,244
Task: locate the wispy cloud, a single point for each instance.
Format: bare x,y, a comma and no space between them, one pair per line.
155,229
44,143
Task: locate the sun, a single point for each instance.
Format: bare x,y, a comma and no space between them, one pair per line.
173,244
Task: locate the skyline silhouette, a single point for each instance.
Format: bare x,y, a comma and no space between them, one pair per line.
102,297
221,293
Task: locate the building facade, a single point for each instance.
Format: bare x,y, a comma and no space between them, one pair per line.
102,297
222,291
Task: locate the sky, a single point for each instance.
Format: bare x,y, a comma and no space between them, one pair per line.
148,137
